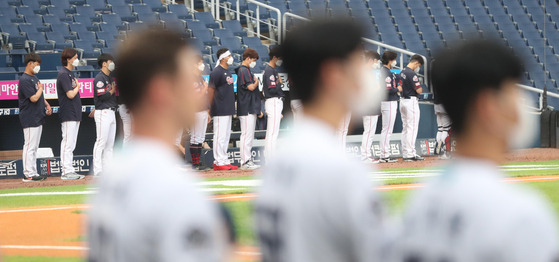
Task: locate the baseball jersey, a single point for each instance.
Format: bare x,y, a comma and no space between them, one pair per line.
469,214
199,88
271,83
223,103
248,102
315,204
146,209
70,109
30,114
410,83
102,96
389,80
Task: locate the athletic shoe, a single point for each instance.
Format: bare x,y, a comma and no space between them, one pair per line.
33,178
388,160
72,176
200,167
232,167
249,165
444,156
408,159
418,158
370,161
222,168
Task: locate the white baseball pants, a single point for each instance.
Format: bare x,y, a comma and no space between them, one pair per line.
409,108
274,107
297,109
388,111
69,138
126,123
222,134
342,131
248,124
32,138
198,132
369,129
105,127
443,123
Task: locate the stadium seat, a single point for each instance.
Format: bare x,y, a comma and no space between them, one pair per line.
234,26
155,5
207,19
180,11
98,5
205,35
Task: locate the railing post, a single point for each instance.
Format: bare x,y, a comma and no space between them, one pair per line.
258,21
217,14
238,11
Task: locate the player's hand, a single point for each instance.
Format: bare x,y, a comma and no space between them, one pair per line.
92,113
49,110
281,115
399,88
261,115
40,85
209,117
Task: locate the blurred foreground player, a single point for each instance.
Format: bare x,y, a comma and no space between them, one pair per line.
469,213
104,114
33,108
146,208
298,216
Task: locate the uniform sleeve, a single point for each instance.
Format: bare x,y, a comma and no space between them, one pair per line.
269,82
390,82
65,83
212,83
27,88
245,78
102,90
415,81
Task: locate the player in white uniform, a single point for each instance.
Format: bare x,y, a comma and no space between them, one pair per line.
146,208
371,119
104,113
126,123
198,131
315,204
469,213
409,108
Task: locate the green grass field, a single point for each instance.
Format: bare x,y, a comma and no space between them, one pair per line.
241,210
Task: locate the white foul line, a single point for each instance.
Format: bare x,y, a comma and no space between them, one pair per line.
44,209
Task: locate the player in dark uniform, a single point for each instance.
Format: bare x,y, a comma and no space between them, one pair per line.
33,107
390,105
105,107
248,106
70,112
222,95
273,94
444,130
409,107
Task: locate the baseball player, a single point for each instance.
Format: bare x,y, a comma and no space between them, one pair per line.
274,96
343,129
390,105
33,107
369,121
222,95
409,108
248,106
146,207
442,147
70,111
104,114
468,213
198,132
297,216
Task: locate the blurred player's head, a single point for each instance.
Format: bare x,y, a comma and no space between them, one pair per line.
416,61
106,62
389,59
276,57
32,63
69,58
372,59
249,57
482,99
224,58
324,60
155,78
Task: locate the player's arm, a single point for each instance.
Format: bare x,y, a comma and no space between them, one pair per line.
48,107
390,85
416,84
66,85
102,90
37,95
246,80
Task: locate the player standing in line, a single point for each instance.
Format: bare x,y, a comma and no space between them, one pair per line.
409,107
369,121
390,105
146,208
469,213
105,106
222,95
70,112
201,120
248,106
273,94
297,216
442,147
33,107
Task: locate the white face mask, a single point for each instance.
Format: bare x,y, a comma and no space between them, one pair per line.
252,64
376,65
279,62
370,94
524,133
201,67
230,61
76,62
393,64
416,70
111,66
36,69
